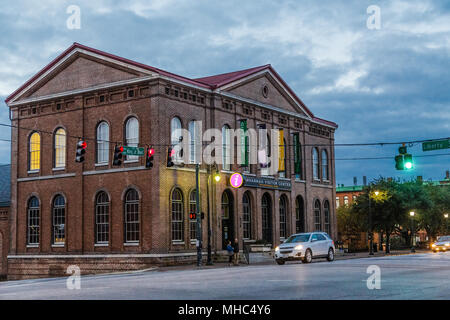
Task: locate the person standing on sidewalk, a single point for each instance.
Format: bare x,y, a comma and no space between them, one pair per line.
236,252
230,253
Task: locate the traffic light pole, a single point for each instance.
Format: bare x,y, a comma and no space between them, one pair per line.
208,183
199,218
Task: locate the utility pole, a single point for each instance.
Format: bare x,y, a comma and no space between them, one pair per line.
208,183
199,218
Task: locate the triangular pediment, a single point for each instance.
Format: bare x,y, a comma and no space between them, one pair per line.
264,87
78,70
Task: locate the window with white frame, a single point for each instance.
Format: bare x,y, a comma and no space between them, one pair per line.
59,220
60,148
326,213
102,218
34,158
226,148
33,221
175,136
317,216
102,142
315,160
132,135
193,128
325,171
132,222
177,216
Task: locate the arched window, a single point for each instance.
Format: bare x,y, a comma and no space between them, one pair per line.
175,136
346,200
315,159
103,142
33,221
283,217
59,220
193,141
177,216
325,172
317,216
226,147
299,215
132,135
102,218
247,216
326,213
35,152
131,218
192,209
60,148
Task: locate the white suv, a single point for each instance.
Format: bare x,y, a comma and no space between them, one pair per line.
305,247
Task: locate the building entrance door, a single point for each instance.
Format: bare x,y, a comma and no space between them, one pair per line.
227,218
266,211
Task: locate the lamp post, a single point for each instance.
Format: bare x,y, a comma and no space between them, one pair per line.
446,222
411,214
370,221
216,179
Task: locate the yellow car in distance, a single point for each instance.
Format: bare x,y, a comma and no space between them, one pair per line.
442,244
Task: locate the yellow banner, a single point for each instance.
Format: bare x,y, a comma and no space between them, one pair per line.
281,153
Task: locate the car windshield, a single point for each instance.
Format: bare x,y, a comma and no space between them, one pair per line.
298,238
446,238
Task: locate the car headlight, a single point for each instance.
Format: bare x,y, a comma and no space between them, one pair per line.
447,244
277,249
433,245
299,247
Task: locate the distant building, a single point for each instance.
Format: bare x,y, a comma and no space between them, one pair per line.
5,195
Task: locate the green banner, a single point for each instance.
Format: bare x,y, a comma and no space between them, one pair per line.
436,145
297,155
133,151
244,144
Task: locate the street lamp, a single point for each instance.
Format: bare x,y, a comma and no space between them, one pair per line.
412,214
446,222
376,192
217,179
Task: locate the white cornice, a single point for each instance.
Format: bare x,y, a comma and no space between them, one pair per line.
80,91
68,56
232,84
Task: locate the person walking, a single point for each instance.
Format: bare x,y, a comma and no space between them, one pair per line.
236,252
230,252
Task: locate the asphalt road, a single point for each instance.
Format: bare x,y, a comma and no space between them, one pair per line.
419,276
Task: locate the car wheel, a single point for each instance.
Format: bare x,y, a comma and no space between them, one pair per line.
330,256
280,261
308,256
434,251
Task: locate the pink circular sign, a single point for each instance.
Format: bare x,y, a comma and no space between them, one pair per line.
236,180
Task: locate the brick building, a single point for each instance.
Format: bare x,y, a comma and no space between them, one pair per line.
5,187
104,217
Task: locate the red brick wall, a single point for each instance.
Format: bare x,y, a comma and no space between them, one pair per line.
4,240
154,109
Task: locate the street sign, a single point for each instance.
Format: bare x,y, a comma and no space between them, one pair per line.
436,145
236,180
133,151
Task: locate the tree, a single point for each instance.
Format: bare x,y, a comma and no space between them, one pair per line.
349,226
432,219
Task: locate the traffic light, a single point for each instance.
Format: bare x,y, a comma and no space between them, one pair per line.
81,150
193,216
117,160
149,158
407,161
403,161
399,162
170,154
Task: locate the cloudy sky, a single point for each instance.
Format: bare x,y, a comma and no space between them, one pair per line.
380,85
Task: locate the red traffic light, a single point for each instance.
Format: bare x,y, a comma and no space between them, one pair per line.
121,149
82,144
151,152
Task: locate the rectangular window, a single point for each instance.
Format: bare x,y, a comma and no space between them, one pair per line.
244,145
297,156
281,154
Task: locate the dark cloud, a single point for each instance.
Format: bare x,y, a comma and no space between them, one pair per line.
378,85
